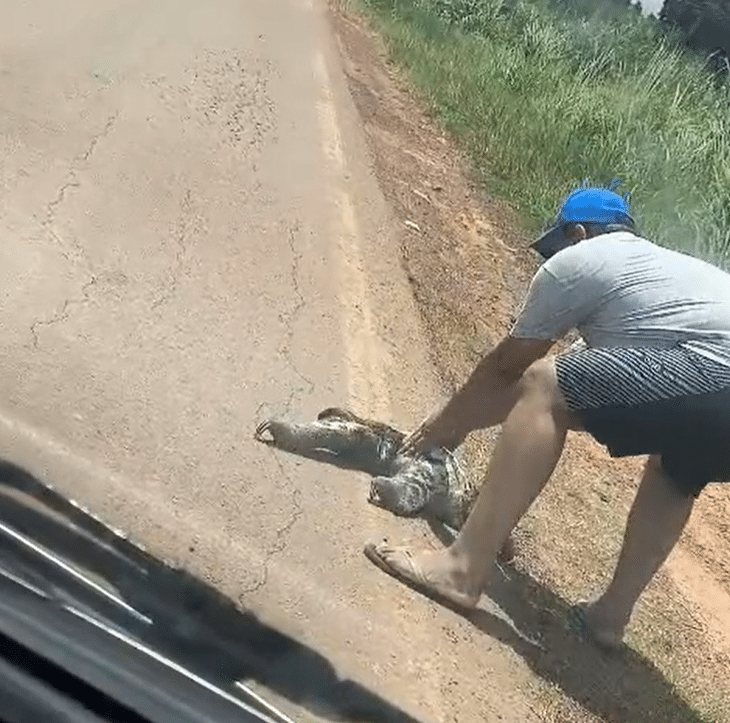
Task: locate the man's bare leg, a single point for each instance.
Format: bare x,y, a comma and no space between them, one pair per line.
525,456
656,521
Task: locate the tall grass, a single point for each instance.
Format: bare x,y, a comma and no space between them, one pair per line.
546,94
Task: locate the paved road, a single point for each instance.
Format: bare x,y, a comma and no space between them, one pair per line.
191,239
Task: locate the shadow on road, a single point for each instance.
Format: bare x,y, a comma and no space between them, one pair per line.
619,687
193,624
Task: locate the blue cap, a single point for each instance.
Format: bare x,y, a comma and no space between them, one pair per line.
586,205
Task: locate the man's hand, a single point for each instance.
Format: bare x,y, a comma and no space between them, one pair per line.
437,430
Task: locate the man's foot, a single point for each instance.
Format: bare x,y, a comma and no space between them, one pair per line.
592,619
437,575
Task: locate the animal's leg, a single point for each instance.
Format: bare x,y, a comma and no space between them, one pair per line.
337,413
304,439
384,431
264,433
333,441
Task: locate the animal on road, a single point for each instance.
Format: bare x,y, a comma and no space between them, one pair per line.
431,486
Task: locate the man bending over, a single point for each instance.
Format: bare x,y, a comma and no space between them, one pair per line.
654,379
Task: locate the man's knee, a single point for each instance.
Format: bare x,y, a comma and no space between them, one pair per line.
540,384
540,378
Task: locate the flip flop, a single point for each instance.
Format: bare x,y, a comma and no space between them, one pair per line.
412,577
578,623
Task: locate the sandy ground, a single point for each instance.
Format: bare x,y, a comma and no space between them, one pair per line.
202,209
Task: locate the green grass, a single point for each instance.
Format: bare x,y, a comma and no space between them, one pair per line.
544,96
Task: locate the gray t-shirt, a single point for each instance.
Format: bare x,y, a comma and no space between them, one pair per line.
622,290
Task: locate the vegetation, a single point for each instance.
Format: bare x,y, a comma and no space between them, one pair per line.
705,24
546,94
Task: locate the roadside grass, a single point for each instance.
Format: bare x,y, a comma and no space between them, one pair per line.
544,96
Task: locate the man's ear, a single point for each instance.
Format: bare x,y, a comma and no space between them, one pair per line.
576,232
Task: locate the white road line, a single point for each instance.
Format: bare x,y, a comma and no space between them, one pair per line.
367,387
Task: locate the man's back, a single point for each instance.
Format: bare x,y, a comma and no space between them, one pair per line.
622,290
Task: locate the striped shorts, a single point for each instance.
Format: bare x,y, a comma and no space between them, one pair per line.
643,400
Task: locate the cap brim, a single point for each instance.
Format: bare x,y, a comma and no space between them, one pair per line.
551,242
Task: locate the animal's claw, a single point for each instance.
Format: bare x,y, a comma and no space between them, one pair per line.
373,496
261,430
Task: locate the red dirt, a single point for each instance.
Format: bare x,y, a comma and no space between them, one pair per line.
468,264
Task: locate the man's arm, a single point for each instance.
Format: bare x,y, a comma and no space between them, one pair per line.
483,400
562,294
507,362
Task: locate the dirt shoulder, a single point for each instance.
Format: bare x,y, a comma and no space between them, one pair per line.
468,266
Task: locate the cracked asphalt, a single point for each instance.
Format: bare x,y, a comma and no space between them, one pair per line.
192,239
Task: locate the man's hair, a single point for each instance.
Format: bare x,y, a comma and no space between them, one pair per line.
597,229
